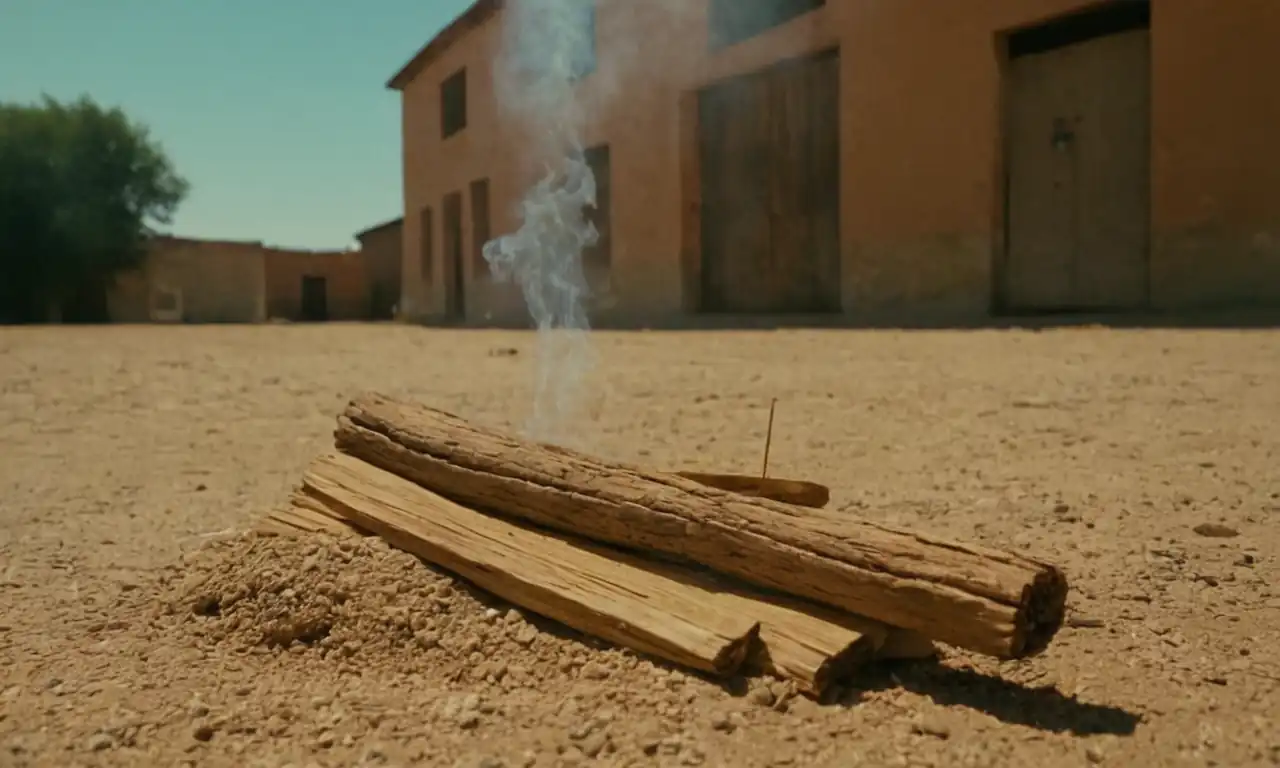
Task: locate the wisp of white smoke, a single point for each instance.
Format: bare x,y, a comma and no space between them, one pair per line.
546,45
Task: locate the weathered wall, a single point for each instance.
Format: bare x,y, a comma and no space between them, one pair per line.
345,282
921,133
1215,167
217,282
381,249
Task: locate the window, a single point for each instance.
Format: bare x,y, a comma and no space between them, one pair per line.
480,227
733,21
453,104
426,248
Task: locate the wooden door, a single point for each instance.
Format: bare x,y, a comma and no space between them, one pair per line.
315,299
455,291
1114,176
769,149
1079,175
1042,189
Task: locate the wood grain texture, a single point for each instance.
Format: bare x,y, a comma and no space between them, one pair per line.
809,644
585,590
305,515
800,492
989,601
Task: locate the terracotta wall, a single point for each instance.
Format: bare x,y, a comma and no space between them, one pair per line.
212,281
345,282
381,250
921,156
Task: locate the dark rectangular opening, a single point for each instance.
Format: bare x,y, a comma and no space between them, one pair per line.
732,21
453,104
315,299
480,226
426,249
601,254
1108,18
455,280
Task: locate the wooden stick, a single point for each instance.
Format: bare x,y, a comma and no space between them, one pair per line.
1000,603
809,644
768,439
583,589
801,492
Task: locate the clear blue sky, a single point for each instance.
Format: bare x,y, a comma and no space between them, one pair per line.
276,112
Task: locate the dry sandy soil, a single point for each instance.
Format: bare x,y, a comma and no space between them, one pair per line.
134,458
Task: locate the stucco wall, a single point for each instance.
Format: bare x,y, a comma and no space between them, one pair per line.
345,282
217,282
921,198
381,250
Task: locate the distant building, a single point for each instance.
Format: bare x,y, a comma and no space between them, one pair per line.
316,286
193,281
869,157
187,280
381,247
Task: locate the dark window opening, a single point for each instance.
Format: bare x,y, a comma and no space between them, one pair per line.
733,21
453,104
1110,18
426,250
600,254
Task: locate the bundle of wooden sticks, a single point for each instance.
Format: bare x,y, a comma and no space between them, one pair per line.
721,574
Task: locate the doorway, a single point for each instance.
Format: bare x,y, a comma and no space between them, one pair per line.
455,280
769,150
1078,147
597,259
315,299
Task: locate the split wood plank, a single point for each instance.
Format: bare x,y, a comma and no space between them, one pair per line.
809,644
584,590
305,515
993,602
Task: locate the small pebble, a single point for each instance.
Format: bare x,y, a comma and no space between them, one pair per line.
1216,531
931,727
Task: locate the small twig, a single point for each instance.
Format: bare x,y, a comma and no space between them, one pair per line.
768,440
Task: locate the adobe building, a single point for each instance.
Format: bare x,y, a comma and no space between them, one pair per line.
381,248
860,157
186,280
315,286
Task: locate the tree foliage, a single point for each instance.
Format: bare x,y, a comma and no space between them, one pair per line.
81,186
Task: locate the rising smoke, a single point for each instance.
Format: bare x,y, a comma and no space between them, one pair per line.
547,45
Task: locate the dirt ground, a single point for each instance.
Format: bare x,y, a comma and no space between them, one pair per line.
133,459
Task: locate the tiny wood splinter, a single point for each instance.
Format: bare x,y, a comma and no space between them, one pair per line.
768,439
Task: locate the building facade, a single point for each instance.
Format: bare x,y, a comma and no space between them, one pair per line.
184,280
857,157
381,248
188,280
316,286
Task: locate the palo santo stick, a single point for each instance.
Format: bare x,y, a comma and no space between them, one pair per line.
585,590
999,603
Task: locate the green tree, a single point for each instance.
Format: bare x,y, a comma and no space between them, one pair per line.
81,188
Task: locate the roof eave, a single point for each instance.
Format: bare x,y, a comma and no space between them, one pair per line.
472,17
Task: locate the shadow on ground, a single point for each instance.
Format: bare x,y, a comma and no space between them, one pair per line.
1045,709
